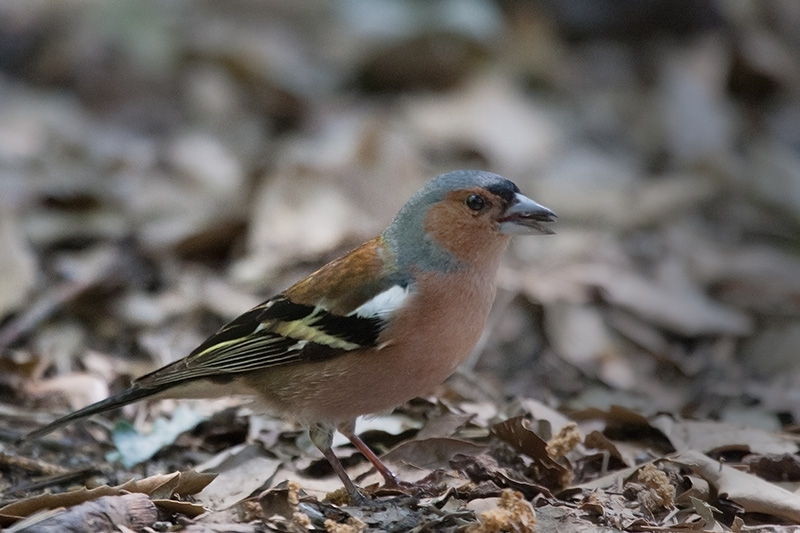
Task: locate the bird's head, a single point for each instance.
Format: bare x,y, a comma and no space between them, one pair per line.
463,218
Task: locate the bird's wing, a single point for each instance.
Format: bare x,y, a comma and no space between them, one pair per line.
348,312
342,307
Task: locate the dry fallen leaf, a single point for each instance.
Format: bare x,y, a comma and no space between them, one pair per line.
18,266
160,485
674,302
707,436
518,434
240,471
754,494
108,513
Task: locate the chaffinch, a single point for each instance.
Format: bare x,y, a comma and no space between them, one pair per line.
368,331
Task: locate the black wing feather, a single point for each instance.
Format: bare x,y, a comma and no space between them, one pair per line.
250,343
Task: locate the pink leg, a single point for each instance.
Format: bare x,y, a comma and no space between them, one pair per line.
322,437
348,430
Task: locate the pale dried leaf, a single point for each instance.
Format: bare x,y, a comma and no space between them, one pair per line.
706,436
78,388
754,494
240,472
674,303
492,116
580,335
18,269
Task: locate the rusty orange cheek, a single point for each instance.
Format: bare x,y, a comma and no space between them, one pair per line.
463,234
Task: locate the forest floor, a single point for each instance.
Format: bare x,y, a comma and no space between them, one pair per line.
166,166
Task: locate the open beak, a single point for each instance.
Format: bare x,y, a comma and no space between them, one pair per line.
523,216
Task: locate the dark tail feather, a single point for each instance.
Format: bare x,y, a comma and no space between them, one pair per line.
123,398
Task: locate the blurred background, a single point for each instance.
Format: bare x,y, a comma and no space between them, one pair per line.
166,165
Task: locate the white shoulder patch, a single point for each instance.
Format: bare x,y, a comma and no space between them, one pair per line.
384,303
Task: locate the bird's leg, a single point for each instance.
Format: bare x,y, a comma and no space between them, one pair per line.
322,437
348,430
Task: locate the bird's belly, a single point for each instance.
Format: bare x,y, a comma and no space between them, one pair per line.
420,353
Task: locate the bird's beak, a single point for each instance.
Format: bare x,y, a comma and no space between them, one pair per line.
523,216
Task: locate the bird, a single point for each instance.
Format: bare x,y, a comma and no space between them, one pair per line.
381,325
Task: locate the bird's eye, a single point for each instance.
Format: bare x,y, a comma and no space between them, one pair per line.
475,202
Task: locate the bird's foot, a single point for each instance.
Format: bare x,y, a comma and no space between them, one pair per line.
429,486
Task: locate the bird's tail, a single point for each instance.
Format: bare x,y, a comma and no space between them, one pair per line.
123,398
